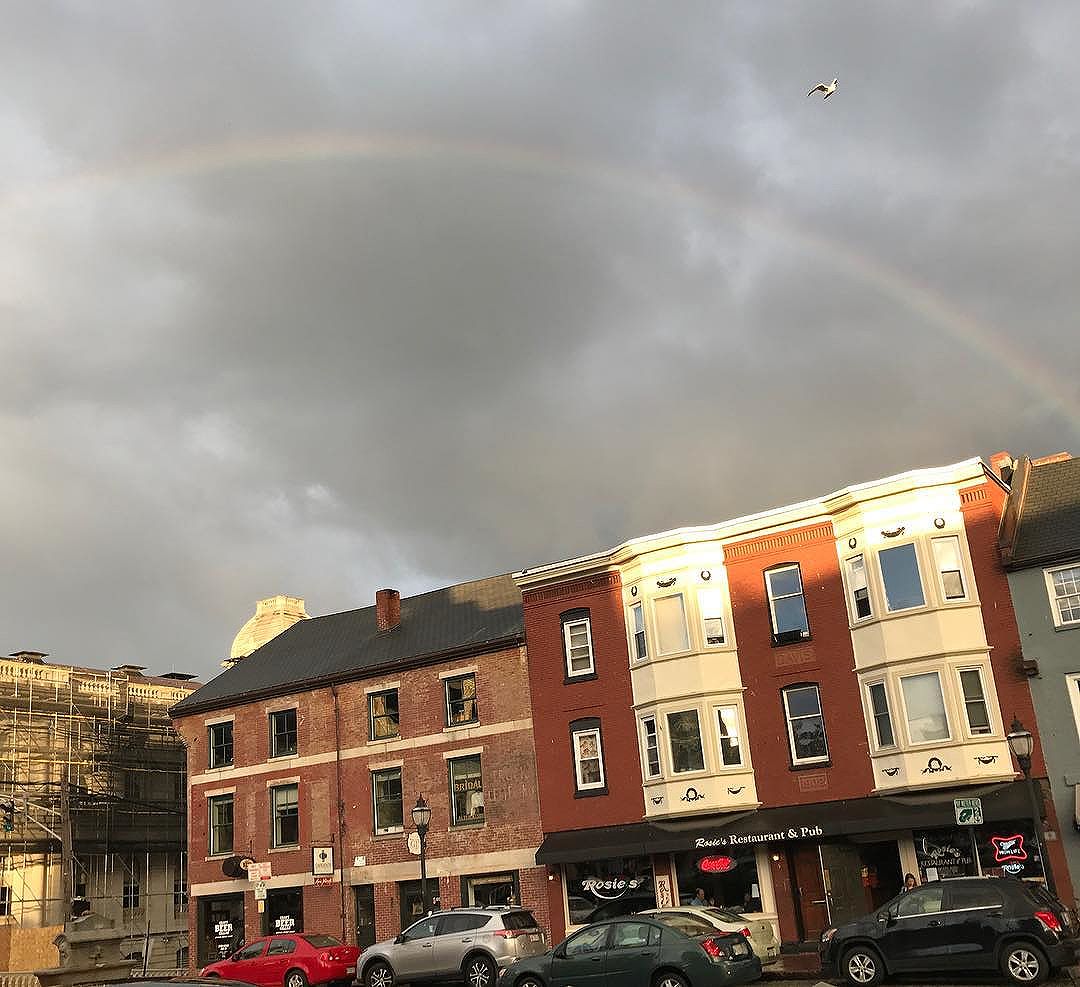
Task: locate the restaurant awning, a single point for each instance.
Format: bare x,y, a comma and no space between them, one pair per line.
782,824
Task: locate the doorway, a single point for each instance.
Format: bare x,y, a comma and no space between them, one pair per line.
365,915
220,927
842,873
804,863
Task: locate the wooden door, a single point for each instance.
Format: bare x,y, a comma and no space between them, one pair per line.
810,888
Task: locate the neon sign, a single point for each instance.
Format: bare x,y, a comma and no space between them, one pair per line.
715,865
1008,848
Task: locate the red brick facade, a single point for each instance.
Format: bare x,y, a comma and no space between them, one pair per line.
504,843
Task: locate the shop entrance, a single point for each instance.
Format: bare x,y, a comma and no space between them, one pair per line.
804,863
284,911
221,927
365,915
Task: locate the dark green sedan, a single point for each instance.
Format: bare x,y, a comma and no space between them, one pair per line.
663,951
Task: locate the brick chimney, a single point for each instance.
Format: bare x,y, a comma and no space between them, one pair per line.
1002,463
387,609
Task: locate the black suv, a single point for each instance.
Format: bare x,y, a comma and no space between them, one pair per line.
964,923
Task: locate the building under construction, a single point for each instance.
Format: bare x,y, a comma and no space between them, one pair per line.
93,793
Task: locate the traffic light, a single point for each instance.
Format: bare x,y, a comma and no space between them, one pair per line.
8,808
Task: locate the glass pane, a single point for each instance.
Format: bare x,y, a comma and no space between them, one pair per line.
900,571
685,735
953,584
587,941
790,614
809,733
388,808
925,901
467,784
947,553
728,722
802,702
671,632
879,703
974,701
925,708
652,748
857,572
711,602
784,582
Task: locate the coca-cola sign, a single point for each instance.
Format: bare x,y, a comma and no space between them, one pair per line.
611,888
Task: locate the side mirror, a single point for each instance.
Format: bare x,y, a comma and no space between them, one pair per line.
398,939
560,953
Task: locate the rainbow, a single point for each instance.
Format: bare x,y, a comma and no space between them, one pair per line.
929,305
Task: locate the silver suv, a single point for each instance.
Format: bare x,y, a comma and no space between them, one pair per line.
472,944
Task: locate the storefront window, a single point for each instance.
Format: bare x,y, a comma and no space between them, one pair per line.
608,888
467,788
284,911
724,879
1008,850
221,927
944,853
490,889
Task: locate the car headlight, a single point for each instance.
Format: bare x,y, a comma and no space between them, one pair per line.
827,935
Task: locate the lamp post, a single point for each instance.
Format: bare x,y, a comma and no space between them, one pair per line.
421,817
1022,743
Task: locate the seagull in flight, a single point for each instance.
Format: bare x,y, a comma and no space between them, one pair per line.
823,87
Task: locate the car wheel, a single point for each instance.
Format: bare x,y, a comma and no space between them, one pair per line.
1024,963
379,975
669,978
529,982
862,967
295,978
480,972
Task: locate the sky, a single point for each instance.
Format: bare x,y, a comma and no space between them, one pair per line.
317,298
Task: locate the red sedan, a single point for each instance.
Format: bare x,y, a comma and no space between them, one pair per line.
289,961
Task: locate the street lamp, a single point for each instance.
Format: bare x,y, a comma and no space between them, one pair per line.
421,817
1022,743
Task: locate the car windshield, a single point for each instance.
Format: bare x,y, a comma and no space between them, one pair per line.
688,925
321,942
519,920
725,916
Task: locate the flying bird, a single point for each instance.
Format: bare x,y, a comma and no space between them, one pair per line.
823,87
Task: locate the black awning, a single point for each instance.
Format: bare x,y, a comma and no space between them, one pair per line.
576,845
844,817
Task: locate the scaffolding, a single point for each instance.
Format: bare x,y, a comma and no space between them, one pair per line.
98,780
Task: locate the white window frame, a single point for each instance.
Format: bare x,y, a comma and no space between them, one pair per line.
907,714
212,849
875,739
805,635
579,783
1055,610
566,627
739,736
946,599
382,831
978,670
795,759
638,610
659,773
856,618
720,614
656,624
701,740
273,790
1072,683
919,569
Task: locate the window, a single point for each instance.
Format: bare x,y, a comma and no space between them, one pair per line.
860,593
900,572
285,810
221,824
641,649
131,892
461,700
806,725
457,924
182,955
684,735
253,951
634,935
221,744
577,643
386,792
466,791
727,722
711,602
1064,587
283,733
786,604
383,714
973,894
950,567
280,947
5,900
423,929
132,786
978,717
588,759
652,747
671,631
925,901
179,896
587,941
879,710
925,707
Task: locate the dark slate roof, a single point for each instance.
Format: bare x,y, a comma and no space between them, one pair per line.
1048,527
458,619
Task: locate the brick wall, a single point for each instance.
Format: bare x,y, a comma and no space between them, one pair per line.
827,659
608,697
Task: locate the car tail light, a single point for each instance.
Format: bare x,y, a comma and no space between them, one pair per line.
712,947
1049,921
745,932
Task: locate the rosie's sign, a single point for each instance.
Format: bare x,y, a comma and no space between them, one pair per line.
748,839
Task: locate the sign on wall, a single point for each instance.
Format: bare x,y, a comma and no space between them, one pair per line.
968,812
322,860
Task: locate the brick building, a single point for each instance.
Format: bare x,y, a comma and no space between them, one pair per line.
806,691
309,753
